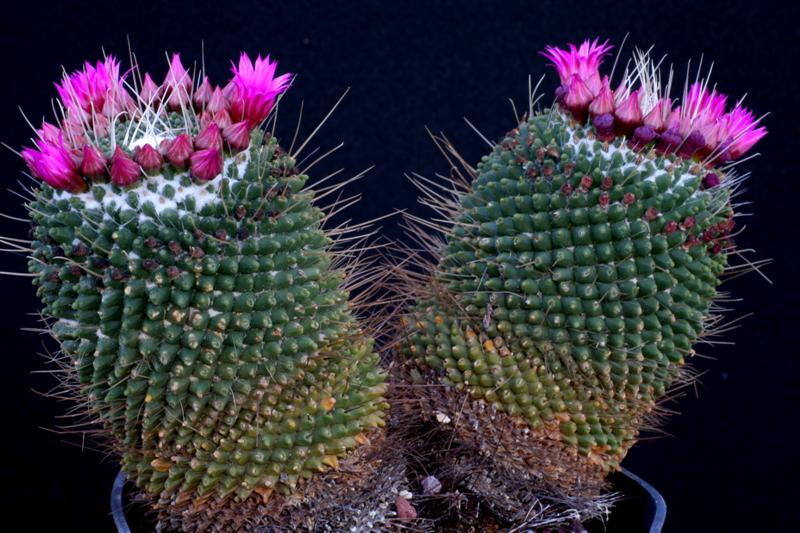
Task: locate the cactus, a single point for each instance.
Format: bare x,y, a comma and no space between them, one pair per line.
183,268
578,269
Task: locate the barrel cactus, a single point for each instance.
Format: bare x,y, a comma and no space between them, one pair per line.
201,313
579,265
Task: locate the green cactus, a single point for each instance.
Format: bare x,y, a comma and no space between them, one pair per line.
567,309
206,325
578,270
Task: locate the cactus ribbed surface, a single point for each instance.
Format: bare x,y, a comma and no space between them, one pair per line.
579,267
207,327
206,324
573,304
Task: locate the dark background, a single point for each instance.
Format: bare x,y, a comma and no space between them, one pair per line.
729,462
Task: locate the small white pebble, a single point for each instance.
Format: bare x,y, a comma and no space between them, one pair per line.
442,418
406,494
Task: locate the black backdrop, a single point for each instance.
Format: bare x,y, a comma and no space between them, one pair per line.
729,462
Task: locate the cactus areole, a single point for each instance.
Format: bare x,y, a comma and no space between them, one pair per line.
579,270
182,266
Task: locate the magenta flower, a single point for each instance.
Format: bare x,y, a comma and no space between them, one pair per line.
701,108
54,164
85,92
256,89
583,61
698,127
124,170
738,132
206,164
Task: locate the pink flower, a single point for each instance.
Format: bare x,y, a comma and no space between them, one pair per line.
177,83
206,164
179,150
209,137
124,170
256,89
237,135
148,158
738,130
54,164
583,61
94,162
87,92
701,107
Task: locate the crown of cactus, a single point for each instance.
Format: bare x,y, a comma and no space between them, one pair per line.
579,267
183,268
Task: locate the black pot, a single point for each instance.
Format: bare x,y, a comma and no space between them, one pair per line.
642,510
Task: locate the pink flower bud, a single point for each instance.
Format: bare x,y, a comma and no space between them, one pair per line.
628,114
49,132
223,119
655,118
204,119
577,98
237,135
206,164
202,95
217,102
149,91
604,126
673,120
230,91
691,144
179,150
668,141
149,159
178,83
124,170
604,101
94,162
642,136
209,137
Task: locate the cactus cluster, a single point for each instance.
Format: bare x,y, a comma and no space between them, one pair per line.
207,327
